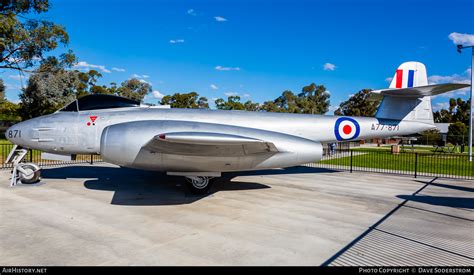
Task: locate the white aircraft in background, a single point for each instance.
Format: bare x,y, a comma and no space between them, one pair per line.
202,144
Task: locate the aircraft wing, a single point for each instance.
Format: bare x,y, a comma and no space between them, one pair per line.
421,91
208,144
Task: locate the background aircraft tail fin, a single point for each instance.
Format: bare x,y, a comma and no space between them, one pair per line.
409,95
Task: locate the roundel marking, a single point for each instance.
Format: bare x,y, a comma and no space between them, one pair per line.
346,128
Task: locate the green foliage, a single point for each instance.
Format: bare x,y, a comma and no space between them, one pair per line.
24,42
314,99
458,111
9,111
46,92
134,89
429,137
288,103
360,104
23,6
2,91
458,133
232,103
186,100
251,106
271,107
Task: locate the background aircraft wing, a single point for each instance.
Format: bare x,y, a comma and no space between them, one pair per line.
208,144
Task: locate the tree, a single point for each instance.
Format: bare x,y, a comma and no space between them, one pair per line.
429,137
251,106
134,89
25,41
457,133
458,110
202,103
360,104
9,111
186,100
47,90
232,103
270,106
288,102
86,84
314,99
2,91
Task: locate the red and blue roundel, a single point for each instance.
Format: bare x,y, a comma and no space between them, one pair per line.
346,128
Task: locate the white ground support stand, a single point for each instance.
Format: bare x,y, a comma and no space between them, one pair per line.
25,173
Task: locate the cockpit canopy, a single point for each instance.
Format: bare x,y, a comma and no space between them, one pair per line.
99,101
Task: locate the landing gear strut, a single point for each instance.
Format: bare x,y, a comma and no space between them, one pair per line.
26,173
199,184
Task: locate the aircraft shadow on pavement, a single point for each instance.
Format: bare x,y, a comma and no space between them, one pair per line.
137,187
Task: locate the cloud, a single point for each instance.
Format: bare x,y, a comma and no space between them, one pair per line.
156,94
220,68
87,66
140,76
144,81
389,79
191,12
176,41
462,38
246,95
118,69
440,105
329,67
214,87
18,77
220,19
464,78
231,94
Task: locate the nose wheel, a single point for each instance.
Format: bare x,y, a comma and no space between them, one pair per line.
26,173
198,184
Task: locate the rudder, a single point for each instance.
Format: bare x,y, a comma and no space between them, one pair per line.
408,75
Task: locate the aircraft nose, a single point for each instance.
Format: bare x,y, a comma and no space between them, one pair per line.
15,133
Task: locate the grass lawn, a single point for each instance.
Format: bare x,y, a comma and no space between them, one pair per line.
409,149
449,164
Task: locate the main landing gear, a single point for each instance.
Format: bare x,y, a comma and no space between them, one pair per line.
26,173
199,184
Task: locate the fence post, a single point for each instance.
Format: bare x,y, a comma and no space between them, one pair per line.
416,163
351,160
31,155
92,161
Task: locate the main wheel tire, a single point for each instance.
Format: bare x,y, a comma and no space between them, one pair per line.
199,185
33,174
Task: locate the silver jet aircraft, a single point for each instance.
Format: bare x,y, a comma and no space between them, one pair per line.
202,144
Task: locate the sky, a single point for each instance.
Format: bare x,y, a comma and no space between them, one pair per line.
257,49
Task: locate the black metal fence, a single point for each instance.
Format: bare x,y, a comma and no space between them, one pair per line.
35,156
446,165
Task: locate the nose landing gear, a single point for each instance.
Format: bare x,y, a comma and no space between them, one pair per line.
198,184
26,173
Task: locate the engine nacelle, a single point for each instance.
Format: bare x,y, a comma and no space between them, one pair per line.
123,144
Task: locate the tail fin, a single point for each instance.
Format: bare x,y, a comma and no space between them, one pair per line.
409,95
409,74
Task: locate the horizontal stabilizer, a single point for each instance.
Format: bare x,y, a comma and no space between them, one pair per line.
208,144
421,91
